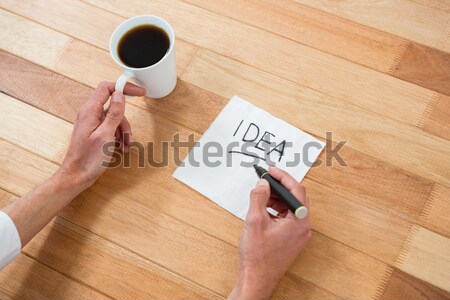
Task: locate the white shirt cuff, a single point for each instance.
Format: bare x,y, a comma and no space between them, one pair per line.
9,240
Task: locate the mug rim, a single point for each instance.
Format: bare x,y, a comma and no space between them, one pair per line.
171,38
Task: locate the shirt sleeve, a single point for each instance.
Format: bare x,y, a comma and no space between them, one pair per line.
9,240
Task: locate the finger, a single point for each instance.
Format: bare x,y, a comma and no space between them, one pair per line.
106,88
118,135
258,201
290,215
114,115
125,131
297,189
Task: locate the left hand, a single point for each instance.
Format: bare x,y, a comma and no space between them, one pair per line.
94,126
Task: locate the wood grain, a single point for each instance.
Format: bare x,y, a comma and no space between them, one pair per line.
306,66
137,190
40,168
120,274
234,87
404,18
435,212
437,120
337,77
413,187
314,28
327,262
82,21
74,252
41,119
426,67
404,286
33,36
143,130
60,93
321,73
16,115
26,278
438,4
183,106
364,131
104,213
426,255
351,222
140,191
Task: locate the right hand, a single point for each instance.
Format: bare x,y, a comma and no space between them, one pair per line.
268,246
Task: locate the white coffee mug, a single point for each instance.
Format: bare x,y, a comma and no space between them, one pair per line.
160,78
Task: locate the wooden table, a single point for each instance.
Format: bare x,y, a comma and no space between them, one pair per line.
374,73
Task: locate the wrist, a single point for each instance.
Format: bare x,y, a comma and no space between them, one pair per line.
66,183
251,286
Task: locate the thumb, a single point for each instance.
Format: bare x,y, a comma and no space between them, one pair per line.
114,114
258,199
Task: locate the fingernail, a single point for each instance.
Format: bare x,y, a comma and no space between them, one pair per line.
131,138
117,97
262,182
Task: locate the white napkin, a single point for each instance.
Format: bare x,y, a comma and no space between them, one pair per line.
240,137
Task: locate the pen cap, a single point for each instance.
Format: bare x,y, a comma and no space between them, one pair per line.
301,212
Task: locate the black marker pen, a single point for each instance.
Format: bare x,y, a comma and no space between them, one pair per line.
294,205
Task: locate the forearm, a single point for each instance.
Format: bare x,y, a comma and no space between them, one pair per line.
250,286
33,211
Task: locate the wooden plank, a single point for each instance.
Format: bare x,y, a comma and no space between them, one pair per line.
407,202
40,168
426,255
183,107
34,37
404,286
109,268
438,4
13,120
119,219
5,198
159,177
314,28
237,86
68,67
323,259
343,80
138,189
371,231
41,117
285,58
26,278
435,212
110,215
318,113
84,22
292,286
97,262
62,94
408,19
437,119
426,67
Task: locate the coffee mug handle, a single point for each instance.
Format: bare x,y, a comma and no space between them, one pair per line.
122,80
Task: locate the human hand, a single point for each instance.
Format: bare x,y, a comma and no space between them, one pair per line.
94,126
268,245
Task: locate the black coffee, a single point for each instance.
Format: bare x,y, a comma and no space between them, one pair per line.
143,46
